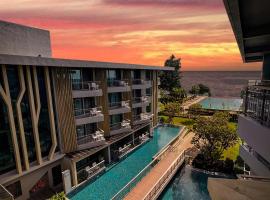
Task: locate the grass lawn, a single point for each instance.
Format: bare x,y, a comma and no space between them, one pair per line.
233,151
181,121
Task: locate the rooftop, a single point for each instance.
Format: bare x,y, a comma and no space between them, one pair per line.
250,22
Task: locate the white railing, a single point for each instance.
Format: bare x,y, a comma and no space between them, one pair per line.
114,105
89,112
95,137
5,194
120,125
87,85
143,99
117,83
90,171
159,186
130,185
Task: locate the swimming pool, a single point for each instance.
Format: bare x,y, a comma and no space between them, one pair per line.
187,184
221,103
113,180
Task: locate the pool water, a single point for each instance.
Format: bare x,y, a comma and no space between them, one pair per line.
187,184
113,180
221,103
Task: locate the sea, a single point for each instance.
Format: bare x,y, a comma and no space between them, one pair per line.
226,84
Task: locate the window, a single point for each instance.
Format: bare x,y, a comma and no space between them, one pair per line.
136,74
87,129
149,108
115,97
148,75
76,78
113,74
137,93
149,92
114,119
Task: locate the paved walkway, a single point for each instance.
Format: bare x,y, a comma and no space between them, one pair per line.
143,187
197,99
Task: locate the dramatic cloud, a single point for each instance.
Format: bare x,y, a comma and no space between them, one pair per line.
134,31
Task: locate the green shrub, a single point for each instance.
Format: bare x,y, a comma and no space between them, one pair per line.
59,196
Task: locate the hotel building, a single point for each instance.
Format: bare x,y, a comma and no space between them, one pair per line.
59,114
250,21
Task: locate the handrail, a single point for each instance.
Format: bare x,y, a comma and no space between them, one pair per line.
85,85
122,193
119,104
153,191
127,188
88,112
117,83
120,125
9,195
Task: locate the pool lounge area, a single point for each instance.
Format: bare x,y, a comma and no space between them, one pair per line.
228,104
105,186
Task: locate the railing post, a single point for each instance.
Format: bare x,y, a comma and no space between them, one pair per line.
263,104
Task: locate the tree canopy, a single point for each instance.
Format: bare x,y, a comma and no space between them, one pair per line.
213,135
171,79
200,89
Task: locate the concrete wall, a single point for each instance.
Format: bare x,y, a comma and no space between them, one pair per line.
256,166
255,135
22,40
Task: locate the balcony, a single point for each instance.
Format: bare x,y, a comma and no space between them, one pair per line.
141,84
255,161
91,171
257,102
88,116
86,89
91,140
255,134
118,86
142,118
140,101
121,127
119,107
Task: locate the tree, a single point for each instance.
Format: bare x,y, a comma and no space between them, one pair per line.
171,79
195,90
213,135
204,89
172,109
178,95
195,109
200,89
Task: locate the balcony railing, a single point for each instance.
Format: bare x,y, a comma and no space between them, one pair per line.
94,137
144,99
117,83
115,105
87,85
257,104
142,116
120,125
90,112
91,171
256,155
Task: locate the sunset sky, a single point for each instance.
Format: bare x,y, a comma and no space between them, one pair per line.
135,31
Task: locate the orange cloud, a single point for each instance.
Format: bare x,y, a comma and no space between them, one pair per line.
141,31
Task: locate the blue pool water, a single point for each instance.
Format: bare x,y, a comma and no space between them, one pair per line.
187,184
221,103
107,185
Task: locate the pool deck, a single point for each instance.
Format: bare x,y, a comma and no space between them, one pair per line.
197,99
149,181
